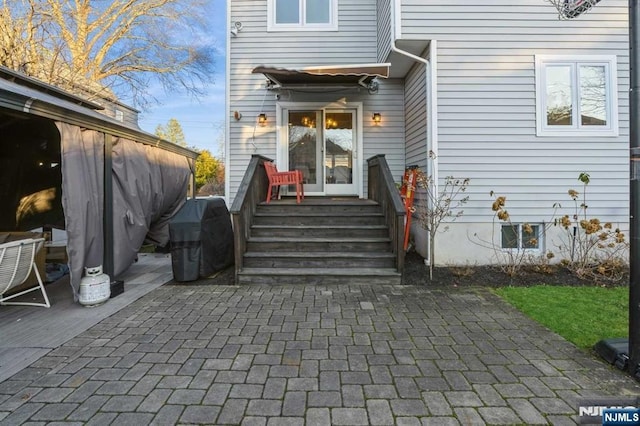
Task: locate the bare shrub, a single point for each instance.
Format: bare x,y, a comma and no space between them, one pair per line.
440,206
589,248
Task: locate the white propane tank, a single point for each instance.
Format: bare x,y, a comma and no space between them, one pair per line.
95,287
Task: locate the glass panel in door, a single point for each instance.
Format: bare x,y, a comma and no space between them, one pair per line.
339,139
305,149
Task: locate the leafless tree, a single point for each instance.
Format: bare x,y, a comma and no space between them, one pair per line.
105,47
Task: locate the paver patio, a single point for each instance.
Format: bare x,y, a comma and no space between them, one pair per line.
314,355
28,333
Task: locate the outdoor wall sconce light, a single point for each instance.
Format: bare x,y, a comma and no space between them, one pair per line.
262,119
237,115
377,118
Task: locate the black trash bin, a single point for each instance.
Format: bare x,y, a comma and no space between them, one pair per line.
201,238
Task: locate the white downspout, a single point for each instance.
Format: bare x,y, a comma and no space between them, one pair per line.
431,85
432,111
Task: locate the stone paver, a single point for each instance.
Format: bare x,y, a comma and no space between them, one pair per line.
325,355
200,414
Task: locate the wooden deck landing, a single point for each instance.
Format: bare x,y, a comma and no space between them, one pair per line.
28,333
321,200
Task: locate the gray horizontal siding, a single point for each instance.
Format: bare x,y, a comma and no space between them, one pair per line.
384,29
487,104
387,138
355,42
416,117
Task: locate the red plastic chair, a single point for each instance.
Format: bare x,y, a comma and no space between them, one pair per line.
277,179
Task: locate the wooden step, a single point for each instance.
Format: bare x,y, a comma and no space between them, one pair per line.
320,201
327,240
323,276
309,207
270,244
303,232
314,218
312,259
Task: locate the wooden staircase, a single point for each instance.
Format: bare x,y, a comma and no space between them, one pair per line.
320,241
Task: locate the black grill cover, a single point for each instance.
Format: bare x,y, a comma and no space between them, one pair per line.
201,239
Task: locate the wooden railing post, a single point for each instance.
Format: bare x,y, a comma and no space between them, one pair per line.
382,188
252,190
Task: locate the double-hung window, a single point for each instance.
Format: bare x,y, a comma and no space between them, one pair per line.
297,15
576,96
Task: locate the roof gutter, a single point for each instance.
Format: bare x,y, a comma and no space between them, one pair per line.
396,33
431,95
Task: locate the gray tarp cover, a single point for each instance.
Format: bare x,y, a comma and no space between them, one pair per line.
149,186
201,239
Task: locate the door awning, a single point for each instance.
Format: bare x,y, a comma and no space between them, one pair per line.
320,77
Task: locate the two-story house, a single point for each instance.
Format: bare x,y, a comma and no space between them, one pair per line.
503,93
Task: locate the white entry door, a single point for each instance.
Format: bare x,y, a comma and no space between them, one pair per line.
323,145
340,152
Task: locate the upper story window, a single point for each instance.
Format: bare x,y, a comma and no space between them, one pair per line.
300,15
576,96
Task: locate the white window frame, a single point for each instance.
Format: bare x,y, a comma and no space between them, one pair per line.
577,129
520,247
282,131
332,25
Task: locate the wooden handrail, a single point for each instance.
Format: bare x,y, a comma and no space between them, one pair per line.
252,191
382,188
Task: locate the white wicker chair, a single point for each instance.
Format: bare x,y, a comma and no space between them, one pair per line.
16,263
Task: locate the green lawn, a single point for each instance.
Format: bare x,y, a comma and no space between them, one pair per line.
582,315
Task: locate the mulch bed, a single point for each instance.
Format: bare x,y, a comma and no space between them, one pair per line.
417,273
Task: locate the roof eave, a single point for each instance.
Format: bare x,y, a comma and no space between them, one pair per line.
26,105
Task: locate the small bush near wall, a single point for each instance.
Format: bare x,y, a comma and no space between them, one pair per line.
437,206
590,249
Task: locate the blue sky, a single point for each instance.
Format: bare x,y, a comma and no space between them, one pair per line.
202,120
